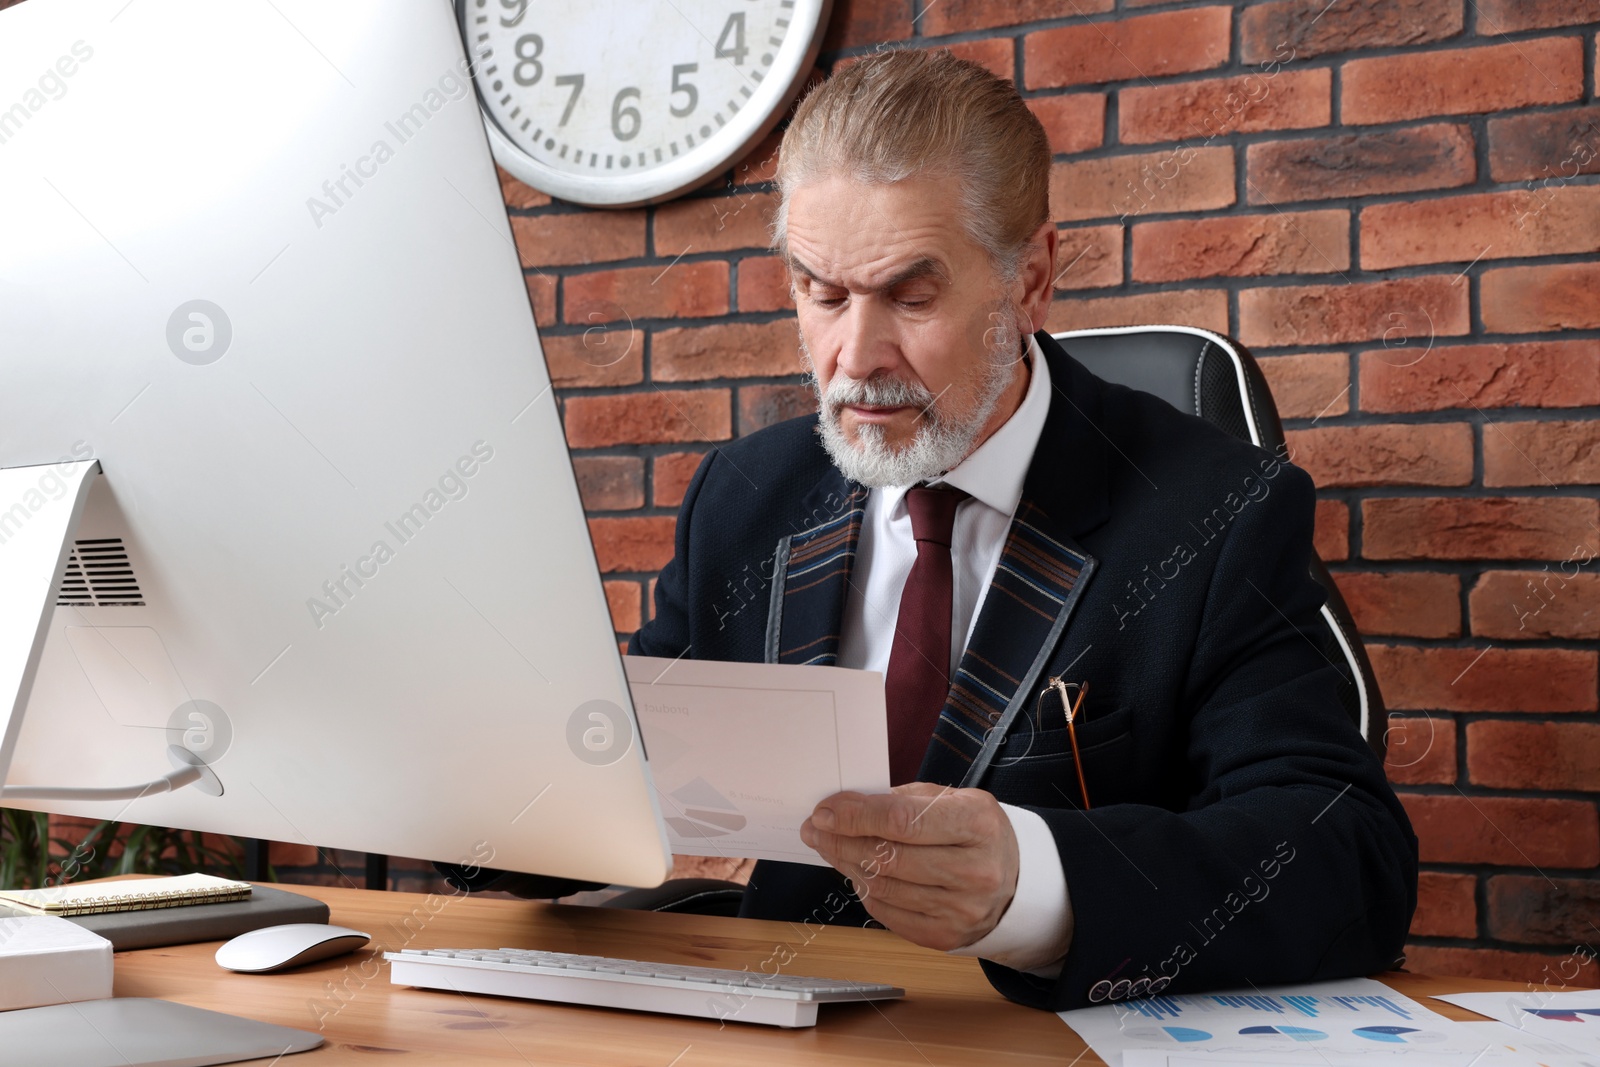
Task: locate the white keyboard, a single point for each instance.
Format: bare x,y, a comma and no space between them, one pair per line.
707,992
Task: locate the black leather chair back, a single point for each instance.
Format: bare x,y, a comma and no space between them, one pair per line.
1205,374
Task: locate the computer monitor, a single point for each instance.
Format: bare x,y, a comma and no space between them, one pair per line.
255,262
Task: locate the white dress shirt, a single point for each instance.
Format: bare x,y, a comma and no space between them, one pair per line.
1036,930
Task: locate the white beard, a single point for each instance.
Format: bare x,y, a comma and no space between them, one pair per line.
940,441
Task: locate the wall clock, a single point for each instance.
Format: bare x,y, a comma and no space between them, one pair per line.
614,103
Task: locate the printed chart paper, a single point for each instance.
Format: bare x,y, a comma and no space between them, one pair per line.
742,752
1570,1017
1310,1023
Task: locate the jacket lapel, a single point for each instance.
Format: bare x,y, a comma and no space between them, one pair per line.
811,575
1037,583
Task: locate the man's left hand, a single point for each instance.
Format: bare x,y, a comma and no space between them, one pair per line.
936,865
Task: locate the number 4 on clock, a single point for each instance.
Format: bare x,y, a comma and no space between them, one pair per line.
734,28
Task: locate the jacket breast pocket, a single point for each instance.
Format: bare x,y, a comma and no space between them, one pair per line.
1038,766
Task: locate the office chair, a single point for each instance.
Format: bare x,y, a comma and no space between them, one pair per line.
1200,373
1205,374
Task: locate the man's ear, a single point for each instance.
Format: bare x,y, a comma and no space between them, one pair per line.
1037,277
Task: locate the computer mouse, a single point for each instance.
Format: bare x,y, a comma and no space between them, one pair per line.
272,948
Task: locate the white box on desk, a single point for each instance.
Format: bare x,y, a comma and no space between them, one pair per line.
44,959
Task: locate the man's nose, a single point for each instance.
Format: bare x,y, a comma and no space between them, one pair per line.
867,344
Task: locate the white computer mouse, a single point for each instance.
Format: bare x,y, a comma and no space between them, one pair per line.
274,947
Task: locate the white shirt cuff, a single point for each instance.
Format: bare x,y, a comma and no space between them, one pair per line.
1035,931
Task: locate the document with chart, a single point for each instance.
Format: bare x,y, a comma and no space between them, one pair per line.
741,752
1318,1024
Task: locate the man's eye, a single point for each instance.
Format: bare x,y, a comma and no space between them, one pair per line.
827,301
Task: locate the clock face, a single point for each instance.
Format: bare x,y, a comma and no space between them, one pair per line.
612,102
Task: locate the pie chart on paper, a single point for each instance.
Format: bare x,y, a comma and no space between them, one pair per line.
1296,1033
1394,1035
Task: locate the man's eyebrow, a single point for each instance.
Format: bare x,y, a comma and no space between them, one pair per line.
922,267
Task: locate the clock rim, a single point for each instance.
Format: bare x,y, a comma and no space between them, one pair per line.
691,170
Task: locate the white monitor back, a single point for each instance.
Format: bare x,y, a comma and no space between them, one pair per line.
366,594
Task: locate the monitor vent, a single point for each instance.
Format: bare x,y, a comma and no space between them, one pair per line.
100,576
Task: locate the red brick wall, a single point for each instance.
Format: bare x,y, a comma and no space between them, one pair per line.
1393,204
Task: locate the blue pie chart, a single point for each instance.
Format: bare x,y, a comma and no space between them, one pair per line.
1183,1033
1298,1033
1391,1034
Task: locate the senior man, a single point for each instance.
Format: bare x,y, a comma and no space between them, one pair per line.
969,497
972,510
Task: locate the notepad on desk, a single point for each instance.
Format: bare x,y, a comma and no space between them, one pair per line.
140,895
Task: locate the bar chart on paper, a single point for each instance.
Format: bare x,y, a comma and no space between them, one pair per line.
1355,1017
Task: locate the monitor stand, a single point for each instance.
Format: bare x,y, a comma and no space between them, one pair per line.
39,512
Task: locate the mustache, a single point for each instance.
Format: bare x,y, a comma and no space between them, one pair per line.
876,392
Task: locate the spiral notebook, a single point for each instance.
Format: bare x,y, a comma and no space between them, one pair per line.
140,895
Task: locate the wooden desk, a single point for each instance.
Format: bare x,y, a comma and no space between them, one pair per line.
950,1015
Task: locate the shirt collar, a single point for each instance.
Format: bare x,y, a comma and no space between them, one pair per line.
995,470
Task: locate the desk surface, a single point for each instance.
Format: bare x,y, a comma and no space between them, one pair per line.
950,1015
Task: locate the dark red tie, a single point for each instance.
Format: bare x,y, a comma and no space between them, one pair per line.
918,680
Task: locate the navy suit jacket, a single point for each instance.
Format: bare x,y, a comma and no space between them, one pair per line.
1240,828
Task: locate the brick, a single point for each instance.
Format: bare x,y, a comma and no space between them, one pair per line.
1539,970
764,284
1074,122
727,350
1463,81
610,483
1513,831
1252,103
597,356
655,417
1534,374
1545,911
1531,299
542,295
1537,528
1553,147
1560,600
582,237
1431,454
1403,604
670,476
1303,242
859,22
1308,385
1421,750
292,854
957,16
1331,536
1447,905
1428,306
1089,258
1206,308
1301,29
633,544
626,601
1182,179
995,54
1437,156
761,406
1508,16
1487,225
714,223
1548,756
677,290
1142,47
760,164
516,194
1487,679
1541,453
